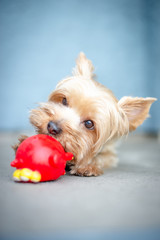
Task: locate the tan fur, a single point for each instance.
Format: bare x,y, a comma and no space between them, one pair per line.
89,100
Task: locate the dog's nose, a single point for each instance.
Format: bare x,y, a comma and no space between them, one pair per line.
53,128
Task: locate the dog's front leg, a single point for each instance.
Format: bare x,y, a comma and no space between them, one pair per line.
20,140
92,166
86,167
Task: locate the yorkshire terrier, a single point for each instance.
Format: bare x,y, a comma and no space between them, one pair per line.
86,118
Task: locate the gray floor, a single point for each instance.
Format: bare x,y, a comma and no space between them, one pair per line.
126,197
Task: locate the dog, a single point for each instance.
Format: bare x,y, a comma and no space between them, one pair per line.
86,118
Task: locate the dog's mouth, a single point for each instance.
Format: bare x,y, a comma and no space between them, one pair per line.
69,164
55,130
55,137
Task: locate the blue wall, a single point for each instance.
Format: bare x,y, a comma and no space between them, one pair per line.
40,39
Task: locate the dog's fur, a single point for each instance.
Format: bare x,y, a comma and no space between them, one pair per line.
79,98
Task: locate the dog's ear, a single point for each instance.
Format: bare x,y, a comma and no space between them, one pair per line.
83,67
136,109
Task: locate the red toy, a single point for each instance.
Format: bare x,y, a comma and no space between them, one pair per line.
40,158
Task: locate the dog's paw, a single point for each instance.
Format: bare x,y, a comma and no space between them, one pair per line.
87,171
20,140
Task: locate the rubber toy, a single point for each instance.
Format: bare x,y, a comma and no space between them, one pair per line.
40,158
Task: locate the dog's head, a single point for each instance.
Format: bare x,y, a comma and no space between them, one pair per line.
83,115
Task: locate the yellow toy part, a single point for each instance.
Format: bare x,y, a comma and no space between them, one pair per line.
35,177
16,175
25,175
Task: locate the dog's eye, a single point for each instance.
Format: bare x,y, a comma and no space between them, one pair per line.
89,124
64,101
